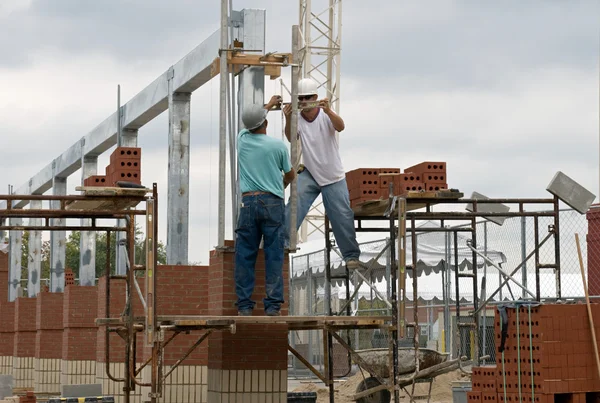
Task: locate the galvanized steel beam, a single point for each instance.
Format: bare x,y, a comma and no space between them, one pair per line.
34,258
179,178
58,240
251,30
87,240
190,73
16,239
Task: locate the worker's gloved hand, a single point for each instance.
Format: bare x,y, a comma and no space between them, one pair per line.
287,110
275,100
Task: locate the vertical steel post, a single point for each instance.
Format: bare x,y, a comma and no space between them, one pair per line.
524,254
87,240
15,243
178,199
58,240
294,139
475,299
557,246
34,260
223,122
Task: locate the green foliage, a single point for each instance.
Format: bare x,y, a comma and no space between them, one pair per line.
72,253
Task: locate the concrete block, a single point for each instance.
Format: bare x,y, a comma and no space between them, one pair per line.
571,192
84,390
6,386
489,208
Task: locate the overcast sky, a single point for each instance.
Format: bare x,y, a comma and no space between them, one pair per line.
505,92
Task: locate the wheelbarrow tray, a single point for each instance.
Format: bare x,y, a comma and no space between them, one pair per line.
379,360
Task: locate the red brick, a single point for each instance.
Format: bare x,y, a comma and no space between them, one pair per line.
427,166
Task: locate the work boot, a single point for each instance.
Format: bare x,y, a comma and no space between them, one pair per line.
353,264
272,312
245,312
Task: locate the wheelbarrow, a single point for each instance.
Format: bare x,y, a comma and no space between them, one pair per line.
431,364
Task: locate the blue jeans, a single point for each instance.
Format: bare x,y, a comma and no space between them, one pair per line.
337,207
261,216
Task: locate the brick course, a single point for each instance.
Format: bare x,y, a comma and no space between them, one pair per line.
253,347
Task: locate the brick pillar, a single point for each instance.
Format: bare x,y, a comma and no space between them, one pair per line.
80,307
48,343
24,344
593,250
7,340
7,317
252,363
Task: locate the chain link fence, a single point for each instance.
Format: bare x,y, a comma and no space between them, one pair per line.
507,246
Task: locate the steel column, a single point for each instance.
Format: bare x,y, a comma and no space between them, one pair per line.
87,241
128,139
249,26
179,177
34,258
15,243
58,240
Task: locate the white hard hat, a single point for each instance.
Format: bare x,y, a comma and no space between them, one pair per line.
254,116
307,86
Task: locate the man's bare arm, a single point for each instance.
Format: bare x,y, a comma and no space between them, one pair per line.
289,177
287,112
336,120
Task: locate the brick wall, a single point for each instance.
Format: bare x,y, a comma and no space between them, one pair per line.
25,331
49,325
593,250
183,290
80,307
253,347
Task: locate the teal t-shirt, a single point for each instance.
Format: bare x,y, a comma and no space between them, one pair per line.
262,161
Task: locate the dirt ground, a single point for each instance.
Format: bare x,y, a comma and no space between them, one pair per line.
441,391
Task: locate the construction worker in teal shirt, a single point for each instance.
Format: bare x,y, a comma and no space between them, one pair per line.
265,170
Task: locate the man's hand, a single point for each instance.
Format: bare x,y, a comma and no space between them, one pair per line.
324,104
287,110
274,101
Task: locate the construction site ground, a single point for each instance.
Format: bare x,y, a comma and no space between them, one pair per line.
441,391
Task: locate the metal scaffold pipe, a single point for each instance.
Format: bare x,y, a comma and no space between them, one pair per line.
223,76
294,138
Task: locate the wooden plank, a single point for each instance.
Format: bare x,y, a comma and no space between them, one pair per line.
414,201
107,198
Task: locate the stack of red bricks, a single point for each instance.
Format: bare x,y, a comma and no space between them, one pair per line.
593,249
546,354
28,398
125,165
366,184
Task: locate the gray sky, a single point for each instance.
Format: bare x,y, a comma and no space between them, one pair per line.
505,92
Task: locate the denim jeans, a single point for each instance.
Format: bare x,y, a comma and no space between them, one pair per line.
261,216
337,207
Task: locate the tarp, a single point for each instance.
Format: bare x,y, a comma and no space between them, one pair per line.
434,249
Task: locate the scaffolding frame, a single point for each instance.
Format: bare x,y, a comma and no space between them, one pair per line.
398,212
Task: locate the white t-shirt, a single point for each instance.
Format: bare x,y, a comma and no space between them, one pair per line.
320,149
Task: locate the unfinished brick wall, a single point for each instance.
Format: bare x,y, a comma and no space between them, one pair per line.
80,308
24,342
48,342
7,318
593,250
254,359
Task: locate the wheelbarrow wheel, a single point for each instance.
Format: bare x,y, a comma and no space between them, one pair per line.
382,396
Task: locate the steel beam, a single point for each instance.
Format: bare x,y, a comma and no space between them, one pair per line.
128,139
190,73
16,239
34,258
58,240
87,240
178,203
251,30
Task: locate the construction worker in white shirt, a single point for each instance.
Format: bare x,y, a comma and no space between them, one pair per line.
323,172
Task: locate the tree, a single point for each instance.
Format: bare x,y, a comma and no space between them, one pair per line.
72,253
